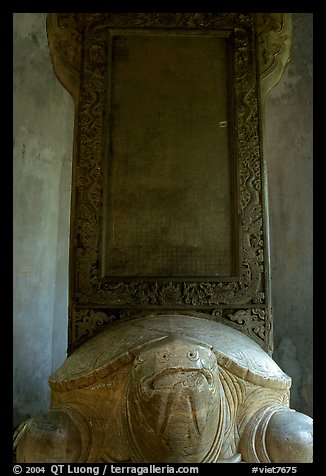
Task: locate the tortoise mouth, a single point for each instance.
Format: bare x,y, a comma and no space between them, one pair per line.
173,378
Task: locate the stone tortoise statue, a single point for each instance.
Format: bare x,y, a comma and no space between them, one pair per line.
168,388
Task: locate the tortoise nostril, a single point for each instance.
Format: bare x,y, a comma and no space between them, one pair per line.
164,356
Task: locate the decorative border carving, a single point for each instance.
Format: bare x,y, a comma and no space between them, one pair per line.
255,323
91,288
205,21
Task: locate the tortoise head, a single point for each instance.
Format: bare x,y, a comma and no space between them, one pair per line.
173,401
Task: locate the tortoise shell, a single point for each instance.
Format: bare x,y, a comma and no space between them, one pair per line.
118,346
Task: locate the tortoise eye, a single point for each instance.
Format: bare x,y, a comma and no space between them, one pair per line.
192,355
140,358
163,356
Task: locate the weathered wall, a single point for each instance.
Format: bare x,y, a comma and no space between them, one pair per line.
289,162
43,126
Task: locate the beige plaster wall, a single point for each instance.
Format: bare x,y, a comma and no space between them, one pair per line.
43,125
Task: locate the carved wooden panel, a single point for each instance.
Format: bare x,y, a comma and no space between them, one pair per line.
168,204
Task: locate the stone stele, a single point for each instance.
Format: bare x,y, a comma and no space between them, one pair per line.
168,389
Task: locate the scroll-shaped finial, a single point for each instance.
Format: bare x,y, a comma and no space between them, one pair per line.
64,38
274,32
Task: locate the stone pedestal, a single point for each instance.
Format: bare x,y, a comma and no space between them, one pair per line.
168,389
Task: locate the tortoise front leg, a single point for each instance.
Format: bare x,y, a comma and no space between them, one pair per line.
50,438
277,434
289,437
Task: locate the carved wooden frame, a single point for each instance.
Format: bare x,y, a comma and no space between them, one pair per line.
78,47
